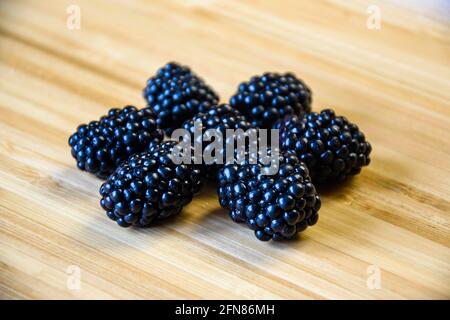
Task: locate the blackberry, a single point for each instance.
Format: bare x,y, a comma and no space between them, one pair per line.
149,186
219,118
331,146
176,94
100,146
267,98
274,206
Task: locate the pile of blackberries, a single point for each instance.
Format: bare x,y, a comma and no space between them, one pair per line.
218,119
149,178
332,147
176,94
270,97
149,186
276,206
100,146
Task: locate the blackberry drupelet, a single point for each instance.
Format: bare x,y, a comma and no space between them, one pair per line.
274,206
219,118
265,99
100,146
331,146
176,94
149,186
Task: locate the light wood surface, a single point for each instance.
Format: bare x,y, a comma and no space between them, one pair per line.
393,82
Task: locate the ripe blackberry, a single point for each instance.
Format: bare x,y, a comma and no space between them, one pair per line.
100,146
331,146
176,94
149,186
274,206
219,118
265,99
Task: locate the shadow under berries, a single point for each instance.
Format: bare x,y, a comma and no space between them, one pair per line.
335,188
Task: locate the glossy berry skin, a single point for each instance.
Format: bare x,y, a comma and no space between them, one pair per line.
267,98
176,94
332,147
274,206
218,118
149,187
100,146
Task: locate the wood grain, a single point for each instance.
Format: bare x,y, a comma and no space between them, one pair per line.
394,82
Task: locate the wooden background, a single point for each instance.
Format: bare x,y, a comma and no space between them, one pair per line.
393,82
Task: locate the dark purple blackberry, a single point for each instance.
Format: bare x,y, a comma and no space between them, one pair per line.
219,118
100,146
331,146
275,206
149,186
265,99
176,94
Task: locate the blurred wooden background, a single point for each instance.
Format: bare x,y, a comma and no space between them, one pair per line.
392,220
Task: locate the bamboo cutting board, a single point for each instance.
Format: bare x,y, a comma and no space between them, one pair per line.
383,234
